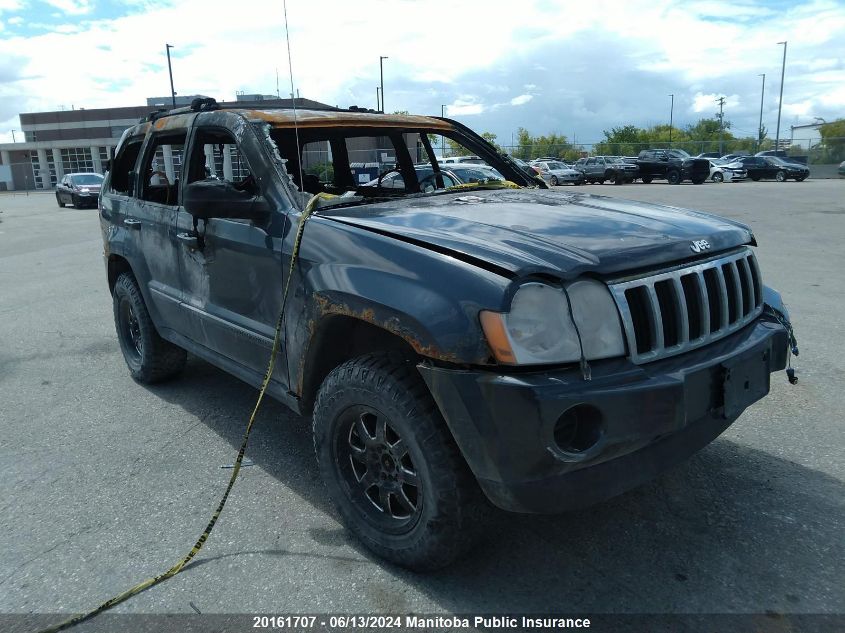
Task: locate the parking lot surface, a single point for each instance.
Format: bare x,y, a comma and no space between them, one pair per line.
107,482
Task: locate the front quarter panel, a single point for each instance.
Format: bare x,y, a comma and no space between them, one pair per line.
428,299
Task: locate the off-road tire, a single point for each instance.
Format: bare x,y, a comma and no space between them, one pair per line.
673,176
451,507
154,359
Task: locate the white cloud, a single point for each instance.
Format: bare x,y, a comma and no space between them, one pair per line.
72,7
15,20
693,50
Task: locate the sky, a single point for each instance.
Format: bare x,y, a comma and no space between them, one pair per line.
571,68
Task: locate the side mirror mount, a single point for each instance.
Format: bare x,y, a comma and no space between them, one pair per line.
211,198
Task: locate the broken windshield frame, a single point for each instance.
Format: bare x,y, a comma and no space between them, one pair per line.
330,153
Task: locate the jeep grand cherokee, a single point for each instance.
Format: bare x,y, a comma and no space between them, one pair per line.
454,344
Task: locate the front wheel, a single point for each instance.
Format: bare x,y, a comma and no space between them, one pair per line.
780,176
390,464
674,177
59,201
149,357
554,181
717,177
646,179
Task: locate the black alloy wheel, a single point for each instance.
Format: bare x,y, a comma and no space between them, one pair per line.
376,467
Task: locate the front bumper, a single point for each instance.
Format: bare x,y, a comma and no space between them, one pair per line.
651,417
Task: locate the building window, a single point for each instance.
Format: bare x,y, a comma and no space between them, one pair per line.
77,159
36,171
104,157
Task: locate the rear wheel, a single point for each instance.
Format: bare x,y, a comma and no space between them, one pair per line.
554,180
780,176
390,464
149,357
674,177
718,177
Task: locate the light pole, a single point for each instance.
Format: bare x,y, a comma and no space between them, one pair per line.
378,100
170,71
760,125
780,101
442,138
13,136
381,74
671,115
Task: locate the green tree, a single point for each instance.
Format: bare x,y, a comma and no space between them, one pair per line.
833,141
491,138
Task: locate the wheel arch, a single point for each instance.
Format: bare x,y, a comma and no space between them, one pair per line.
336,339
116,266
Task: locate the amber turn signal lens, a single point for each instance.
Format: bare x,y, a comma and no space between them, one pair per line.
494,329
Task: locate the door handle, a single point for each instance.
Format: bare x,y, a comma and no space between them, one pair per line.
189,239
131,223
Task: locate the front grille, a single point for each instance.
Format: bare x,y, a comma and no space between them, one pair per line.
672,312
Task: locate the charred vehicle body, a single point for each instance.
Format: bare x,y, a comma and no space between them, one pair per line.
541,349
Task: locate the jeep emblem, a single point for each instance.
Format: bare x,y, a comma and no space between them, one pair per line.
699,246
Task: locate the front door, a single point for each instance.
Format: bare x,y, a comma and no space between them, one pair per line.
232,280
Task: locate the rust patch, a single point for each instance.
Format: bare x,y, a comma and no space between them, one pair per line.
392,325
328,118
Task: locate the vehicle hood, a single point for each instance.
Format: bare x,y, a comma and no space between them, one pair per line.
525,231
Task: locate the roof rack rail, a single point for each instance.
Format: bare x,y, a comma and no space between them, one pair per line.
208,104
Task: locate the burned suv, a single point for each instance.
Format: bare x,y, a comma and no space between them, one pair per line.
455,345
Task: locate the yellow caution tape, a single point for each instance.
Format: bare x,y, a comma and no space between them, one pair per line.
108,604
496,184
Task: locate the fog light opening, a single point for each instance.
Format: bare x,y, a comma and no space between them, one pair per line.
578,429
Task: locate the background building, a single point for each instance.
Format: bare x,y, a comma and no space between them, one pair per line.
67,141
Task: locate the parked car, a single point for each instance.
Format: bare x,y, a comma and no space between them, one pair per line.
733,157
760,167
779,153
473,160
530,169
709,155
557,173
542,350
426,179
597,169
80,190
675,165
842,168
721,170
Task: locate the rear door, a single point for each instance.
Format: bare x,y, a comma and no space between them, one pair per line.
152,219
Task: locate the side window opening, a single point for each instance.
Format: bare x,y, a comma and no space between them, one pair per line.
124,165
162,169
217,156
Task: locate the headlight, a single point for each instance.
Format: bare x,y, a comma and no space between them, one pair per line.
538,329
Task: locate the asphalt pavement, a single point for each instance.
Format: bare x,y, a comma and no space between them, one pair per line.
107,482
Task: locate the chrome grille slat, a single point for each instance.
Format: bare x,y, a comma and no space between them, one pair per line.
705,308
723,300
690,306
656,319
681,307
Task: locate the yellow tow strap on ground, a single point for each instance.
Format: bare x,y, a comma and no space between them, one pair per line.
108,604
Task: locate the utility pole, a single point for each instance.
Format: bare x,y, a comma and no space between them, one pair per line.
170,71
671,115
721,115
760,125
442,138
780,101
381,74
378,100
